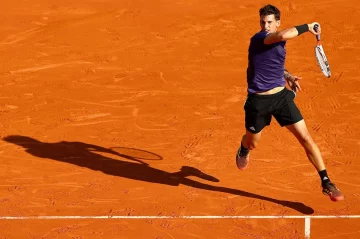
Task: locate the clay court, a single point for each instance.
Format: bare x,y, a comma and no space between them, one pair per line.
115,114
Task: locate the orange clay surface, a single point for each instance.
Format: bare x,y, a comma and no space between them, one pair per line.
164,82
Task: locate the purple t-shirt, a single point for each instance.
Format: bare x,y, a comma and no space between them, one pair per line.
265,64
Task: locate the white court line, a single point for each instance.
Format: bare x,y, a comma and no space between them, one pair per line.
307,228
171,217
306,231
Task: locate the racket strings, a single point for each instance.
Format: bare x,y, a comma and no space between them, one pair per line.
322,61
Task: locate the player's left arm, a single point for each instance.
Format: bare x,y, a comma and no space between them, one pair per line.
293,81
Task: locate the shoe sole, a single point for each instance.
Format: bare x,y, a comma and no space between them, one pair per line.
242,165
334,199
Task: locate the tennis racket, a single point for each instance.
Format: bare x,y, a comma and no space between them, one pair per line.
320,55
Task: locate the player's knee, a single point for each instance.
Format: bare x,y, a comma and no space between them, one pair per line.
306,139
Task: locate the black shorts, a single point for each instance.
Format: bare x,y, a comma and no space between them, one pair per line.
260,108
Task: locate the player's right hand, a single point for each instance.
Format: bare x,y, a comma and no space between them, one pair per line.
312,30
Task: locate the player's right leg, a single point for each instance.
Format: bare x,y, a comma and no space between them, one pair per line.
248,142
257,116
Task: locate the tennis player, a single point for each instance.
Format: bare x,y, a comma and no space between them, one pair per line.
268,95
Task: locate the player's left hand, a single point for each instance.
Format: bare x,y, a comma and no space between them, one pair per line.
293,82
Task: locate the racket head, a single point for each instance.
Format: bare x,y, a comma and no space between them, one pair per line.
322,61
136,153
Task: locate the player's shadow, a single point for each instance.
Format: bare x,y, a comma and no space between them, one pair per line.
98,158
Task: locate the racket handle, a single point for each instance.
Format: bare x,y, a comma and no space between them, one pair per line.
316,29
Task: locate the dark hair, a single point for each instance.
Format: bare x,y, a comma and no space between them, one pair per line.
269,10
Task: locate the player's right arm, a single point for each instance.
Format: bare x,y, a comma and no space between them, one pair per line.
290,33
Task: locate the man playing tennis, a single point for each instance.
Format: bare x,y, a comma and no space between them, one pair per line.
268,96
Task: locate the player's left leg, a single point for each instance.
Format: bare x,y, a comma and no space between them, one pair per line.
300,131
287,114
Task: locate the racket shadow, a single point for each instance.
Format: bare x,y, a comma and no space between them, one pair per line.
134,154
91,156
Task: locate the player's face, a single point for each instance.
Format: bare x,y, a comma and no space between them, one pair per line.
269,23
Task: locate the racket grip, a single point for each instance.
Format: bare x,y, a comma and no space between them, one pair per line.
316,29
